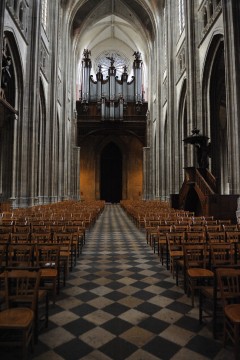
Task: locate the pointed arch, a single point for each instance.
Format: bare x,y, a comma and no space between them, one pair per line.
41,144
167,159
214,111
14,86
183,129
10,129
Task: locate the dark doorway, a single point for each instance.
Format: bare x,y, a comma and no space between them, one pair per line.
111,173
193,203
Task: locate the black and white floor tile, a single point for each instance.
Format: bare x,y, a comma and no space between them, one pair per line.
121,303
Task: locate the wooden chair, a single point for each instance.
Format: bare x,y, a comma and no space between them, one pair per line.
213,228
151,232
195,263
226,221
17,323
211,222
24,228
216,237
77,238
47,259
20,255
162,242
195,237
5,238
180,228
229,227
20,238
81,227
197,228
229,284
175,251
6,229
3,256
233,236
64,240
40,238
40,229
222,254
210,305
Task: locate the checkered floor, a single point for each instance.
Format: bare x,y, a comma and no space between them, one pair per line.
120,303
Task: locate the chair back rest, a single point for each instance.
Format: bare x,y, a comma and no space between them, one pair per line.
20,238
197,228
229,227
3,254
6,229
21,228
5,237
176,238
233,236
39,238
47,256
21,286
195,237
213,228
20,255
195,255
217,237
222,254
229,284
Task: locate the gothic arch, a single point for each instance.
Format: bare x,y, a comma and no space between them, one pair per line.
182,129
41,144
167,157
11,45
214,111
11,121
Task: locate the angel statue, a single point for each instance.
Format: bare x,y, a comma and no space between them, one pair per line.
137,55
86,53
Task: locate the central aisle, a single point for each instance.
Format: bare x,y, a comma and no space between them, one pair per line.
120,303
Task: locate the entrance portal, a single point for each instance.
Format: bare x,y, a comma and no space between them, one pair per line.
111,174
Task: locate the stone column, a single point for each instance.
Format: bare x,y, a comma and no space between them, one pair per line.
191,62
14,119
2,12
27,133
75,171
231,14
146,173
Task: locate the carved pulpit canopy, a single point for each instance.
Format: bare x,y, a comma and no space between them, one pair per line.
202,145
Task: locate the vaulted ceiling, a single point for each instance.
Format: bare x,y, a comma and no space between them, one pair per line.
113,25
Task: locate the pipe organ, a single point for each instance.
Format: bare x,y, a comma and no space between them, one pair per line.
112,103
111,95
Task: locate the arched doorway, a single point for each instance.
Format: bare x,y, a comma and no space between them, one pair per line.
192,202
111,173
